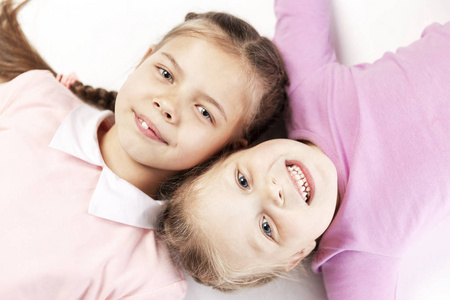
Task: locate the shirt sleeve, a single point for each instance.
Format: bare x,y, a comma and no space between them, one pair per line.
302,34
354,275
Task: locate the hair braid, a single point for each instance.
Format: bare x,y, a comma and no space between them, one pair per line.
98,97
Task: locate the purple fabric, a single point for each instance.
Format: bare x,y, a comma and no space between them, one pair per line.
386,126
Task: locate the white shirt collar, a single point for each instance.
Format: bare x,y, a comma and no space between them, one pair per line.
114,198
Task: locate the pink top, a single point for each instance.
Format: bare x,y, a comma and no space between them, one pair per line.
386,127
52,248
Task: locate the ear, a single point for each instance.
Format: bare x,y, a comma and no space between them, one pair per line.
239,144
147,54
299,256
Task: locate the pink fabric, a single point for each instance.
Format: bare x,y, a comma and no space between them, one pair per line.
386,127
52,248
113,198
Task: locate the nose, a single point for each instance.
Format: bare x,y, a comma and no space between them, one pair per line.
276,192
166,108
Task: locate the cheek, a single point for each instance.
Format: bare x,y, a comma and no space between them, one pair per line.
136,84
290,229
297,227
197,147
205,138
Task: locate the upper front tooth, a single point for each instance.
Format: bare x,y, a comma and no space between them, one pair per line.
144,125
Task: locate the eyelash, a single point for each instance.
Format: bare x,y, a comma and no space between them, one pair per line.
164,74
241,180
203,110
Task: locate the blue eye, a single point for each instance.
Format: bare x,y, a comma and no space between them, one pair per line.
205,113
242,180
166,74
266,227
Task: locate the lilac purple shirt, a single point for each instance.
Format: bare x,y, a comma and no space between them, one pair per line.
69,227
386,126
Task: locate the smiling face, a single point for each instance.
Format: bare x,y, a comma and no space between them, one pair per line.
268,204
181,105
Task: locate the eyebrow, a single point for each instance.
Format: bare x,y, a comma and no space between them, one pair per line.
173,61
216,104
204,96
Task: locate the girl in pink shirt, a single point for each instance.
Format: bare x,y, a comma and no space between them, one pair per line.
369,177
69,170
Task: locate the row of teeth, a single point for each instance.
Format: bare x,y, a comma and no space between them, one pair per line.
143,124
299,178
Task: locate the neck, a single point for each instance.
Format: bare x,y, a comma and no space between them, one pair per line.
143,177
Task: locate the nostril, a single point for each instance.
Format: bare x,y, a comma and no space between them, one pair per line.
168,116
156,104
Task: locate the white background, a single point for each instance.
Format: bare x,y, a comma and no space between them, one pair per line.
103,40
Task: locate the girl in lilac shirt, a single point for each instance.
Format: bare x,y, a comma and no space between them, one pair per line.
371,175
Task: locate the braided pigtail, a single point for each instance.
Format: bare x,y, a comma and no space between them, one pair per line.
98,97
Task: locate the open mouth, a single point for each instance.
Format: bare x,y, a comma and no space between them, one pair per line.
300,181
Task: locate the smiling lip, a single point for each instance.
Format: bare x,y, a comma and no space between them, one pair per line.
151,132
307,176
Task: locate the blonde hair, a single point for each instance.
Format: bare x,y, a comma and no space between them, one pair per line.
191,247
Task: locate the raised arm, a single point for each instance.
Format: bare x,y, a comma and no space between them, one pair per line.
302,34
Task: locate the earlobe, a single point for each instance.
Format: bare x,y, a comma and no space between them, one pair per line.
239,144
243,143
147,54
299,256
